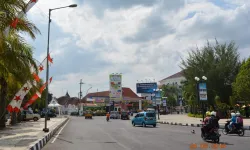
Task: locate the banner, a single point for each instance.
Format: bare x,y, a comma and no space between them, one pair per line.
115,87
145,87
203,91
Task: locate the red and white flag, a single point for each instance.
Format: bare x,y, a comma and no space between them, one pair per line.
16,102
37,94
14,22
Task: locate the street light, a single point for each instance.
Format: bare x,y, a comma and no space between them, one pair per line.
204,78
158,107
47,68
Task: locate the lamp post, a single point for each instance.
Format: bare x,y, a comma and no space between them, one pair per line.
47,68
157,105
199,90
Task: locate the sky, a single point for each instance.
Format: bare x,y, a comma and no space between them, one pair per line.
142,39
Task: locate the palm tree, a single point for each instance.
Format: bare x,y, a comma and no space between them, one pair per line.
15,53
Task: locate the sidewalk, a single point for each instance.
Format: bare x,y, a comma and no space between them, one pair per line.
183,119
27,135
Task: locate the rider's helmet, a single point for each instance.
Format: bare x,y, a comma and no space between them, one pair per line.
208,113
237,114
213,113
233,114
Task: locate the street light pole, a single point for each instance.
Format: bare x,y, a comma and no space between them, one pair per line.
198,97
46,129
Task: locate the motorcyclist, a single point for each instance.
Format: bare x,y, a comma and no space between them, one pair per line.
213,122
233,121
239,120
107,115
208,114
204,128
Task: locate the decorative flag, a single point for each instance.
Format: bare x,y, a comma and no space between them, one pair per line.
37,94
16,102
30,4
14,23
19,97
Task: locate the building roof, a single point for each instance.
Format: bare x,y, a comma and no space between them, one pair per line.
126,92
177,75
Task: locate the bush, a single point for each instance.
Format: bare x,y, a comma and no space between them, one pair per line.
195,115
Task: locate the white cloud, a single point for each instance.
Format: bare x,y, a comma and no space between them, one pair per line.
162,35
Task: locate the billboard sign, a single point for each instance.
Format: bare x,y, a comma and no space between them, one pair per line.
115,87
203,91
146,87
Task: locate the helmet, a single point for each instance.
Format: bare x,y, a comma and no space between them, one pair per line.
213,113
237,114
233,114
208,113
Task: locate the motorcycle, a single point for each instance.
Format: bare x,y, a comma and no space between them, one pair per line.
236,130
107,118
213,134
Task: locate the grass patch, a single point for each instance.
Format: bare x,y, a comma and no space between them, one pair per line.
195,115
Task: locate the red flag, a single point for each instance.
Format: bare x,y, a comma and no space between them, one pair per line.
32,100
36,77
50,59
14,23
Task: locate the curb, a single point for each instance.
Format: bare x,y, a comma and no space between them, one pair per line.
42,142
193,125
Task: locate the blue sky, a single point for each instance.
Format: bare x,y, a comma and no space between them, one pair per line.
143,39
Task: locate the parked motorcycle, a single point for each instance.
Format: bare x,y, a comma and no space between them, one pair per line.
212,136
236,130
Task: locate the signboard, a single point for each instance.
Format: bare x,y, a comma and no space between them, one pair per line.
164,102
115,87
146,87
203,91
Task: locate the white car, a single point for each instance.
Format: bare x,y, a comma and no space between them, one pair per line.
114,115
27,115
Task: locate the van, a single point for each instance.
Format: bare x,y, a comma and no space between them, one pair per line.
144,119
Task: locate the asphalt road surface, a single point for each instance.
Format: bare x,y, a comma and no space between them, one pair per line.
98,134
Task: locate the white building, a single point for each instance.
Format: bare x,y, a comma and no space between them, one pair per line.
174,80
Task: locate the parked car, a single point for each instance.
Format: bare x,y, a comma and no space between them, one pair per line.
27,115
124,115
114,115
75,113
51,114
144,119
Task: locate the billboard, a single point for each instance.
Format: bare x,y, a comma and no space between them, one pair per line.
115,87
203,91
146,87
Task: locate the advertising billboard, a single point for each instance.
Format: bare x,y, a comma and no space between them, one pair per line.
146,87
115,87
203,91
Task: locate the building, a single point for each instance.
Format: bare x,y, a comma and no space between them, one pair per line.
130,100
175,80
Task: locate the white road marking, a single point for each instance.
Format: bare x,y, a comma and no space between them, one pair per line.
59,132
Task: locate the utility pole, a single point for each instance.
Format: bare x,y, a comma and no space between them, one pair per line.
80,96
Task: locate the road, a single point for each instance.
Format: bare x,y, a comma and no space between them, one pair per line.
98,134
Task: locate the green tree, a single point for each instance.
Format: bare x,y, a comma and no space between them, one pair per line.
15,53
219,63
241,86
171,92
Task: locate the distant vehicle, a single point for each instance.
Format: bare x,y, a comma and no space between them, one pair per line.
75,113
124,115
144,119
88,115
50,114
27,115
114,115
150,110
